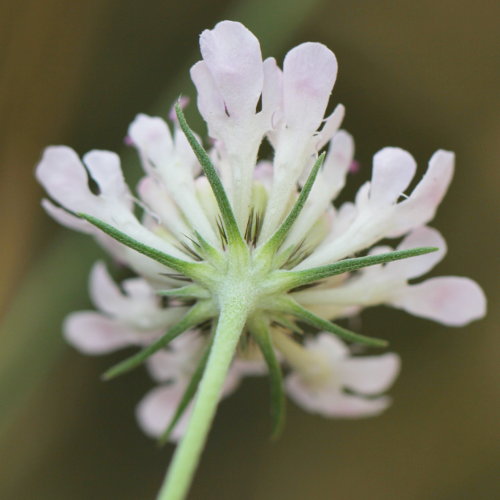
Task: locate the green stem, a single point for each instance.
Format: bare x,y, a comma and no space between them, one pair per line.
231,322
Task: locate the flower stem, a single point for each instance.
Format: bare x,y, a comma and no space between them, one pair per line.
231,322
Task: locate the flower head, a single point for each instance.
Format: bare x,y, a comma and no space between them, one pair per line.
237,254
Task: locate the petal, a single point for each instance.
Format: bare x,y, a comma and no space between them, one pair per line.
417,266
232,54
105,169
162,207
157,408
330,402
272,91
163,366
451,300
337,162
328,344
393,170
210,102
348,406
421,207
152,137
105,293
65,218
370,374
93,333
309,73
63,176
332,124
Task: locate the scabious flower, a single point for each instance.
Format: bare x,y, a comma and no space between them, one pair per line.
240,259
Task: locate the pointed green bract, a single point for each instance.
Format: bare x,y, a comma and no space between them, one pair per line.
282,320
279,236
259,329
194,270
188,394
209,252
199,313
292,307
293,279
228,217
193,291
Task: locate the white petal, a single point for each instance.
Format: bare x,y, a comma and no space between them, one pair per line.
421,207
105,169
232,54
332,403
337,162
157,408
66,219
348,406
93,333
451,300
152,137
328,344
272,91
417,266
162,206
393,170
105,293
332,124
309,72
63,176
370,374
163,366
210,102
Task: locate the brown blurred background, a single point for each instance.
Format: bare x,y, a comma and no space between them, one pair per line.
420,75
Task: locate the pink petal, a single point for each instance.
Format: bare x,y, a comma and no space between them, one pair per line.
93,333
64,177
370,374
309,73
393,170
417,266
421,207
451,300
232,54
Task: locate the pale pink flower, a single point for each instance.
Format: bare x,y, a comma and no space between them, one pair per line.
244,100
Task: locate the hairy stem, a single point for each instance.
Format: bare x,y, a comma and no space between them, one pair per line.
231,322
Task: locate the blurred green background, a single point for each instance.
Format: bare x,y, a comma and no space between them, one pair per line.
420,75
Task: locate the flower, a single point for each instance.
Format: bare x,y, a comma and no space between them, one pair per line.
235,253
